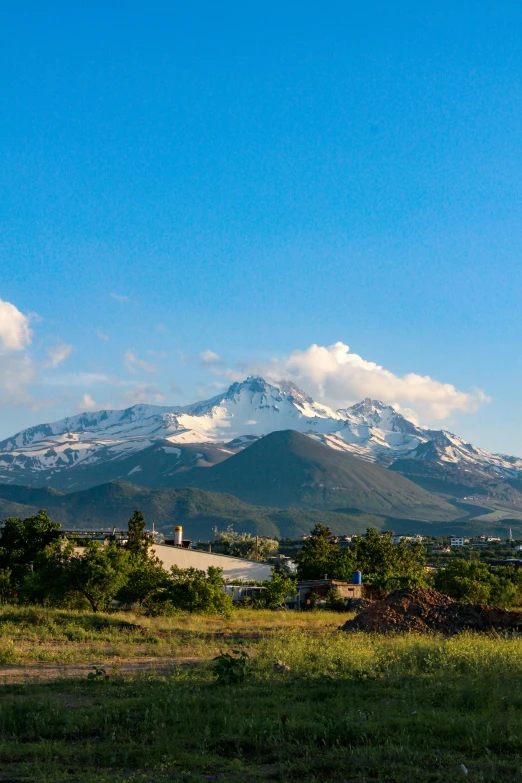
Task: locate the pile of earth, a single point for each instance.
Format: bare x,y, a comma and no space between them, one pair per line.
415,609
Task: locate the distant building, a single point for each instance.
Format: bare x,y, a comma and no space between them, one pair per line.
416,538
244,592
178,552
283,560
233,567
514,561
456,541
313,590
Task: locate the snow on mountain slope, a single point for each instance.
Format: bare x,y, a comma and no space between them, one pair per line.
370,430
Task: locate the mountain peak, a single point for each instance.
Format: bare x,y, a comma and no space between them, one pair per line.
368,405
254,383
67,452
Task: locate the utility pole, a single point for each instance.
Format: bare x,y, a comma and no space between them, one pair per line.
257,557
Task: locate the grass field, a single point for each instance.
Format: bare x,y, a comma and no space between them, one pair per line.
350,707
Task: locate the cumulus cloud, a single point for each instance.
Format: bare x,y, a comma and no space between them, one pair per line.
143,392
58,354
211,358
15,334
133,363
17,372
86,404
338,377
17,369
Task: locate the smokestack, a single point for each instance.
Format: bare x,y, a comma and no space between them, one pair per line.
178,535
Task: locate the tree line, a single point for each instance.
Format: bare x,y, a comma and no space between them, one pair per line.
387,566
39,565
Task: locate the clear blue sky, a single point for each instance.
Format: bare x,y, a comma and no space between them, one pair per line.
255,178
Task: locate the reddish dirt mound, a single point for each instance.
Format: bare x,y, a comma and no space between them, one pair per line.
415,609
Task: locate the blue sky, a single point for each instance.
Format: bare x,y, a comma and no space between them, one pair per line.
180,181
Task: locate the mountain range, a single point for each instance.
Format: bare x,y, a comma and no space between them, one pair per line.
110,506
211,445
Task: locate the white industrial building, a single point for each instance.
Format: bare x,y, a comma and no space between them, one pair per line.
177,552
233,567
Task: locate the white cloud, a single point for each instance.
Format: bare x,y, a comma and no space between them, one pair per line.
86,404
85,379
58,354
17,370
132,361
15,334
210,357
101,335
338,377
16,374
143,392
123,299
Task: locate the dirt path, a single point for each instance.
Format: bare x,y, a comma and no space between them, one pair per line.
52,671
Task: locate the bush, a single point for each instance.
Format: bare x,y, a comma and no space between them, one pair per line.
278,589
231,669
473,582
196,591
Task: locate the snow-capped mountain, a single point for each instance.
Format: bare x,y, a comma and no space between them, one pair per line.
57,453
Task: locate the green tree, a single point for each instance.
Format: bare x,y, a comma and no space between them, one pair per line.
145,577
244,545
21,541
139,541
196,591
46,583
321,556
97,574
475,582
387,566
278,589
505,591
465,581
146,574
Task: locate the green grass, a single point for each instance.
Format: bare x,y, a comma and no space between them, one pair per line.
351,707
35,634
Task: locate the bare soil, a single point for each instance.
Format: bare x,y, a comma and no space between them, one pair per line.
53,671
415,609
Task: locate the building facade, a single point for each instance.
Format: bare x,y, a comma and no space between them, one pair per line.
234,568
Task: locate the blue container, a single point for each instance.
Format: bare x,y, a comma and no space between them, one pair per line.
357,578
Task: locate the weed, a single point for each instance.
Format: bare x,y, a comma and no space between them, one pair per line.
8,653
97,674
231,668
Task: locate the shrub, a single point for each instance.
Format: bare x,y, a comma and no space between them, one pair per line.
278,589
231,669
196,591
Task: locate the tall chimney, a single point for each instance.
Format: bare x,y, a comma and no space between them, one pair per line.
178,535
